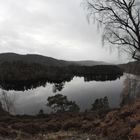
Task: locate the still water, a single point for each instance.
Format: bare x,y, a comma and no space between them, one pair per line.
82,92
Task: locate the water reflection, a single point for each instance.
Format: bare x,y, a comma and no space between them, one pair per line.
58,83
7,101
58,87
101,77
131,89
22,85
84,91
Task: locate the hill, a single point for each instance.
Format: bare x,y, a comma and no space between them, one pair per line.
31,58
20,71
89,63
44,60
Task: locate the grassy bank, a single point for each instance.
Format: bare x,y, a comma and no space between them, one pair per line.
118,124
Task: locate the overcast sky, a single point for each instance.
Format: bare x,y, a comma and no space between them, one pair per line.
55,28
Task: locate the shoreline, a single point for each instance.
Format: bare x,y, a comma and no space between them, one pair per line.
117,124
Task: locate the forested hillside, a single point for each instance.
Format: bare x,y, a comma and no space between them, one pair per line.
131,67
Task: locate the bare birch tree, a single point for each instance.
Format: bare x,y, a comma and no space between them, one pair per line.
120,20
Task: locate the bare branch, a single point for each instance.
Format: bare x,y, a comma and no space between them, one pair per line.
121,22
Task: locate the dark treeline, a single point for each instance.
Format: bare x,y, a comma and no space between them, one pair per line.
96,70
131,67
21,75
20,71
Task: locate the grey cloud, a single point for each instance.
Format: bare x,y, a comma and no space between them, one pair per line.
50,27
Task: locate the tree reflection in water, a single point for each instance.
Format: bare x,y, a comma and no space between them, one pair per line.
104,77
57,81
58,87
8,102
131,89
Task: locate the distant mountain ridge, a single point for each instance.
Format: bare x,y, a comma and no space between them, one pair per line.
44,60
89,63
